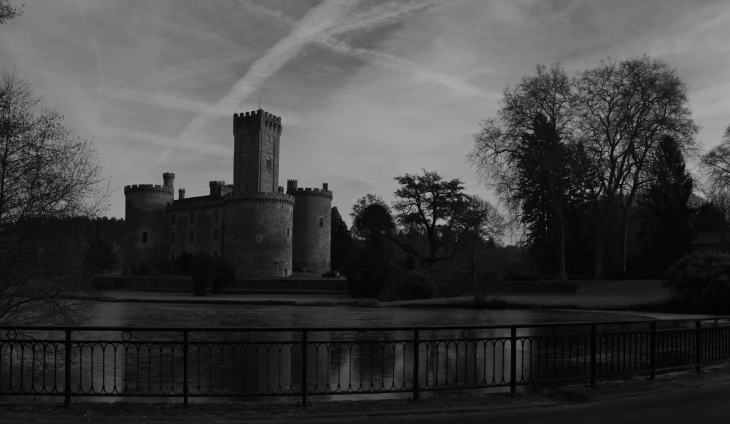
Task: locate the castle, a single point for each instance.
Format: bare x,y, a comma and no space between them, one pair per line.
261,230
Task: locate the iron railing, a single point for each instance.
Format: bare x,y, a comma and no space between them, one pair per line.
228,362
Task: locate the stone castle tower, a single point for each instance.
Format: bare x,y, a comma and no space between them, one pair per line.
256,152
261,230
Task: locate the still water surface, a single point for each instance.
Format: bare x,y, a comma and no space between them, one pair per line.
212,315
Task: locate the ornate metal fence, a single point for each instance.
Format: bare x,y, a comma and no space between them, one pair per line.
229,362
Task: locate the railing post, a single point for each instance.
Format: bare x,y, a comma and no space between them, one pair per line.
415,365
304,367
698,345
594,368
185,368
652,353
513,362
67,370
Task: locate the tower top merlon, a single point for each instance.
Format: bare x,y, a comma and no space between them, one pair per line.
257,116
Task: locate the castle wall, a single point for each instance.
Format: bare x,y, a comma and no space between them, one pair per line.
145,234
258,240
205,210
312,228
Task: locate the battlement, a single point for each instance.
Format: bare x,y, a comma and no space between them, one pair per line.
311,192
260,197
148,188
256,118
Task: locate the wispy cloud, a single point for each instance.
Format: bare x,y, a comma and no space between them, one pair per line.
320,26
322,17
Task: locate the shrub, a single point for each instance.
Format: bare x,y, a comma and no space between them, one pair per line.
449,283
225,275
368,273
183,261
416,284
701,280
203,270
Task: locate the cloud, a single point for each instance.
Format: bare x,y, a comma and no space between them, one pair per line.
396,63
321,17
319,26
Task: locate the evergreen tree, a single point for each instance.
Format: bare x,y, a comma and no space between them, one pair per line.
666,218
341,240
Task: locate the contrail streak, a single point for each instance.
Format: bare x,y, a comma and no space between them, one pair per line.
188,32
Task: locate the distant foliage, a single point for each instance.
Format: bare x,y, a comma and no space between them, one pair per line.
204,271
369,273
100,256
417,284
342,243
702,281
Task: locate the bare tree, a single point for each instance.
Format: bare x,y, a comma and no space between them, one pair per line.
534,121
716,166
47,177
625,108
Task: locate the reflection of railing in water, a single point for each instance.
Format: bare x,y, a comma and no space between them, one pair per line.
224,362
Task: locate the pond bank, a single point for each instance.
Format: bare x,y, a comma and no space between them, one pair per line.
589,295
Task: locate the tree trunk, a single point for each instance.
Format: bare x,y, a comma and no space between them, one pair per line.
560,242
624,236
598,256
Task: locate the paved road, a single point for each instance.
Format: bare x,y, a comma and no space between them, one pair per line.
708,405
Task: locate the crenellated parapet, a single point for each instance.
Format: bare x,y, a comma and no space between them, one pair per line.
244,120
312,192
260,197
149,188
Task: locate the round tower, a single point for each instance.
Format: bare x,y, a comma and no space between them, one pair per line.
258,234
145,227
312,227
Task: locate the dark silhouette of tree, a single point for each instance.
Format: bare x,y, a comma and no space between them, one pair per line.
624,109
47,177
374,223
360,205
666,215
8,12
522,154
479,223
341,240
430,205
100,256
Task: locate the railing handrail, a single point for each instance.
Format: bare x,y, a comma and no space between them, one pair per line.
368,328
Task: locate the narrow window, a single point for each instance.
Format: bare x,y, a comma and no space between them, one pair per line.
192,235
321,222
174,219
215,215
172,237
172,258
215,254
268,163
286,272
192,217
144,237
287,232
215,235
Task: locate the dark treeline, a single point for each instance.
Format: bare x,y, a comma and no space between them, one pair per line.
592,167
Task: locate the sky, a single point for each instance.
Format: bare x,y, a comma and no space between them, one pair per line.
367,89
